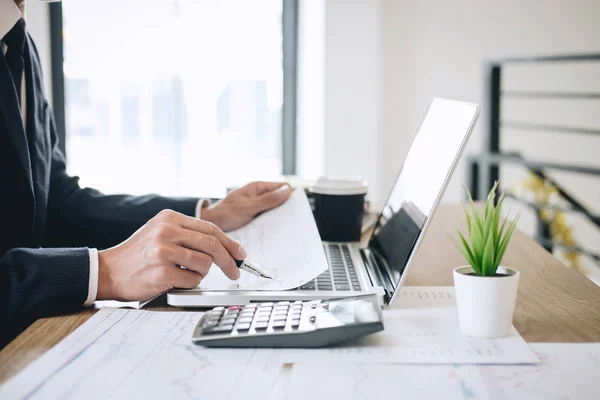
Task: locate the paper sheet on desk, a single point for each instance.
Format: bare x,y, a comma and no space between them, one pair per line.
568,371
421,329
138,354
283,242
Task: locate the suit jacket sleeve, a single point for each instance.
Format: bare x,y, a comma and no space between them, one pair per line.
40,282
86,217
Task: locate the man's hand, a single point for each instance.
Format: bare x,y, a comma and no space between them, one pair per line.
149,262
237,209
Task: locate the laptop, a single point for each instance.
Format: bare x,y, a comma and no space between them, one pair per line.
381,266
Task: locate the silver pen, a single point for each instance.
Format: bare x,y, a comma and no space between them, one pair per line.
243,264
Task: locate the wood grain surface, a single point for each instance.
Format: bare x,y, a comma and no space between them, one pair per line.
554,304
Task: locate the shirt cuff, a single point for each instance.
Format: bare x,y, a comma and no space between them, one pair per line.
202,204
93,282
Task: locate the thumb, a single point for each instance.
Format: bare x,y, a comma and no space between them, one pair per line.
273,198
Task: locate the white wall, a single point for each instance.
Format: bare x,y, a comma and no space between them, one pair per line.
339,99
310,143
353,89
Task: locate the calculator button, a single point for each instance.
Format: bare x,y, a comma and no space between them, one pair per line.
313,318
234,308
248,306
246,314
218,329
227,321
283,303
266,304
261,325
280,318
295,323
208,325
261,318
243,327
244,320
278,324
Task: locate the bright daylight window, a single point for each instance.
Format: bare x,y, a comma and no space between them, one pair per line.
181,97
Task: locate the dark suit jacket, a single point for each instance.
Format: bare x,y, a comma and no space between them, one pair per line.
46,220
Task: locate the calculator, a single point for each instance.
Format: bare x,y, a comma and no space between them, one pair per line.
313,323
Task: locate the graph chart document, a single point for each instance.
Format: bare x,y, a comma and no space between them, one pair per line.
136,354
422,330
283,242
567,372
148,355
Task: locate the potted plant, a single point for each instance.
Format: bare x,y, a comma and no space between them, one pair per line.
486,292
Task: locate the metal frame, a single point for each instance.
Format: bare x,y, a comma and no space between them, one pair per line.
484,168
289,24
57,73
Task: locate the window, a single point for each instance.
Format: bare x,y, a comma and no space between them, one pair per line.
181,97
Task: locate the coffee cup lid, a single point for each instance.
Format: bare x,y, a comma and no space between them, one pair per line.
339,186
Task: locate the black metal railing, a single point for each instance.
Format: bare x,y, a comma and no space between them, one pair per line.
484,169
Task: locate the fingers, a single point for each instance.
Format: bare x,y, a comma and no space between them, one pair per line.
211,246
184,278
259,188
273,198
194,260
201,236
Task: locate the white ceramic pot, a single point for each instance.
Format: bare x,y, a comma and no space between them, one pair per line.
485,304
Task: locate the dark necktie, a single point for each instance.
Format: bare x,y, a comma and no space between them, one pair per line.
15,43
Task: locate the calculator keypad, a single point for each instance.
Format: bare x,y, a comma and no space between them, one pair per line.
259,318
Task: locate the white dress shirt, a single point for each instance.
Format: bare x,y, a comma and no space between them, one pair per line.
9,16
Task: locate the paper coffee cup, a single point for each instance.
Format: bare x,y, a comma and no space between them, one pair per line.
339,208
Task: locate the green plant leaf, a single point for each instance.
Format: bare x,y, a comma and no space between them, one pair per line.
477,223
496,222
478,246
501,233
467,217
487,264
489,202
467,253
504,242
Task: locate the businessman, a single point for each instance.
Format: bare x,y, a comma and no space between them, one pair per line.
63,247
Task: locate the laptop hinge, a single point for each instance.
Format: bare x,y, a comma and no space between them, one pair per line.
374,273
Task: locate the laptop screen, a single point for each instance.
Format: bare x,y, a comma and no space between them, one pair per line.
419,186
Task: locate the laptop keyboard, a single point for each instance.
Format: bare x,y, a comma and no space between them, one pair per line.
341,275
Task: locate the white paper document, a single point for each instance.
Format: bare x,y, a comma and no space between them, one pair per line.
420,336
136,354
567,372
131,354
425,297
283,242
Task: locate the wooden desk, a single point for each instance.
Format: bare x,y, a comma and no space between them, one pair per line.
555,303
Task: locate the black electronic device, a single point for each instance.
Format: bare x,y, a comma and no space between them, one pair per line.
305,324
